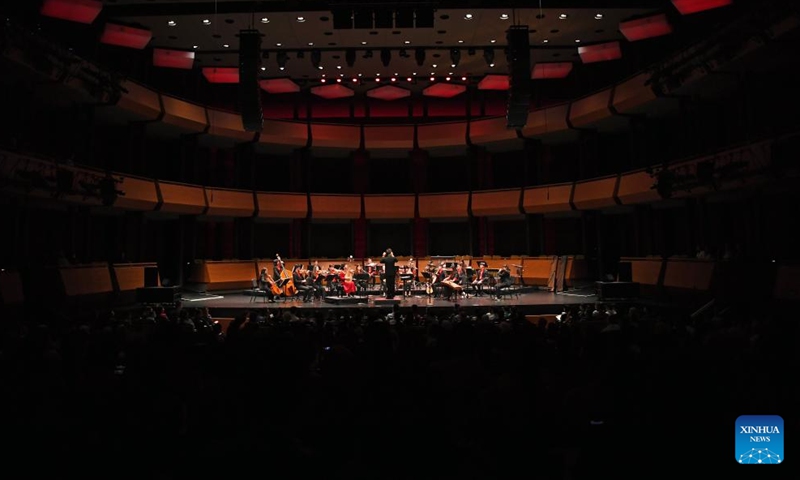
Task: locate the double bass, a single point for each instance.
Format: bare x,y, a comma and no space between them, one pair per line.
289,288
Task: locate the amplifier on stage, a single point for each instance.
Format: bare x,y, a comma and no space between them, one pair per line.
617,290
157,295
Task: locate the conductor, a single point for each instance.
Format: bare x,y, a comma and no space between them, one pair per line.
390,271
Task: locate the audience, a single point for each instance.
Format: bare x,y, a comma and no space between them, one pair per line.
377,394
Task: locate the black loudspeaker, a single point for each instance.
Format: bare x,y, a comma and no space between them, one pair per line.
249,90
150,276
157,295
625,273
519,75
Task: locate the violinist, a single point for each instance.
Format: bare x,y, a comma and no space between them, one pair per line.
438,278
480,278
360,278
302,282
316,278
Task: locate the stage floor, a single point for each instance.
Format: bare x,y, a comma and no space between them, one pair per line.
533,302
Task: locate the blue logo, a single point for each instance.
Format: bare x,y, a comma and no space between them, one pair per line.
759,440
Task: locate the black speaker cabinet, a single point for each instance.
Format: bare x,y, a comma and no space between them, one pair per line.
150,276
249,89
625,273
157,295
519,76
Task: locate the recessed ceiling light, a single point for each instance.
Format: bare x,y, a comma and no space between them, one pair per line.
433,78
355,80
461,41
453,65
492,41
434,65
310,44
377,74
323,75
320,67
408,79
414,73
491,65
194,46
468,16
463,79
503,16
447,79
226,46
171,23
378,79
359,74
282,69
363,43
301,19
338,67
322,80
206,22
407,42
341,74
263,69
278,44
598,16
563,16
577,40
338,80
264,20
394,79
545,40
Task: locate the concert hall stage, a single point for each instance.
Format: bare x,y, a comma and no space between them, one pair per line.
530,302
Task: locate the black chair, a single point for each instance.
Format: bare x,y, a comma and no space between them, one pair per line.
257,292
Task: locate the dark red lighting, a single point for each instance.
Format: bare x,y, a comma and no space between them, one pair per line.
551,70
648,27
81,11
173,58
602,52
686,7
123,36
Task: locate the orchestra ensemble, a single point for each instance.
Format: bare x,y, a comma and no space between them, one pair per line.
449,280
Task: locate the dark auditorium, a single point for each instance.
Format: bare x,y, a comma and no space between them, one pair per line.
400,239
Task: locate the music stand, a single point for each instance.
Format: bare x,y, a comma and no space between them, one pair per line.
362,280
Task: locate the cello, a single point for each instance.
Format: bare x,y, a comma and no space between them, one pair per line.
289,288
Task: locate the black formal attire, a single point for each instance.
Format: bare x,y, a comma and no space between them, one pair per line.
390,274
303,287
480,279
316,283
504,281
438,285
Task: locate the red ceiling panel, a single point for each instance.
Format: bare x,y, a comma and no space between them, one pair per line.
444,90
601,52
388,92
81,11
687,7
648,27
336,90
551,70
279,85
123,36
173,58
493,82
221,75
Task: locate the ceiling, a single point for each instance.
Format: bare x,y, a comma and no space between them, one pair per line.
210,29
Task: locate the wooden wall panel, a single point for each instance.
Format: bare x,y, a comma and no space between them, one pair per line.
399,137
646,271
184,115
285,134
443,205
182,199
389,207
282,205
230,203
633,94
86,280
546,121
494,203
589,110
140,194
140,101
636,187
689,273
549,198
595,194
336,206
228,125
130,276
344,137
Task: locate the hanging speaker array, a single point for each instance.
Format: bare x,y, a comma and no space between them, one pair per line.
249,90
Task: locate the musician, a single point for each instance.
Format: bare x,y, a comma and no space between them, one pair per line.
388,260
346,277
438,278
456,280
504,280
277,270
316,278
334,285
302,282
480,278
264,284
361,284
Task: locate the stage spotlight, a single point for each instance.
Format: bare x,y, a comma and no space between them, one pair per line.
350,57
386,56
316,58
488,55
419,56
281,57
455,57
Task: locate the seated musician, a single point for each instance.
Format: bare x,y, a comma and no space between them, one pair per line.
455,281
361,278
277,271
334,285
504,280
480,278
438,279
316,277
346,277
301,281
265,283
